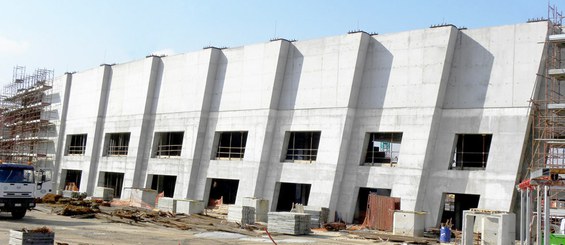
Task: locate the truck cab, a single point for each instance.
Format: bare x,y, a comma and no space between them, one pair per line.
17,189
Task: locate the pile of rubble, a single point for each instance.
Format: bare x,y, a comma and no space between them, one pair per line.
82,208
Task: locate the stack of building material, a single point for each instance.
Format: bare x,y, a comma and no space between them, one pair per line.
243,215
318,215
144,198
289,223
187,206
261,207
106,194
167,204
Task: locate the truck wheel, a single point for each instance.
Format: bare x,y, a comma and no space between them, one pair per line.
18,214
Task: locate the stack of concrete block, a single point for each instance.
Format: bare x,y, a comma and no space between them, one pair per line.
261,207
289,223
69,194
144,198
318,215
167,204
106,194
186,206
243,215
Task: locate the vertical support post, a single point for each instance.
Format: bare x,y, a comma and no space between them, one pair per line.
522,215
538,215
546,222
528,230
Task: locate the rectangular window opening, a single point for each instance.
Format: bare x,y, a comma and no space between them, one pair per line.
223,191
77,144
117,144
382,149
454,204
471,151
169,144
165,184
114,181
72,180
292,193
302,146
231,145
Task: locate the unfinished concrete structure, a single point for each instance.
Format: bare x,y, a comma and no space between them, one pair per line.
437,117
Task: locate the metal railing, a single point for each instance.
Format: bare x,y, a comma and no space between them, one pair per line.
308,155
168,150
227,152
117,150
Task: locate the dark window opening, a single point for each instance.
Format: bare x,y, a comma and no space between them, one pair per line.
169,144
454,205
471,151
231,145
362,198
118,144
382,148
223,191
77,144
292,193
114,181
303,146
165,184
72,180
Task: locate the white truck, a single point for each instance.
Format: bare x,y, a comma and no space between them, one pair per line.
18,188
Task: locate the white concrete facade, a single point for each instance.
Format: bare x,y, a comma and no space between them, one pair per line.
429,85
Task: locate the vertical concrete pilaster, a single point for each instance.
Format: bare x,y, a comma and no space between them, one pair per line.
98,131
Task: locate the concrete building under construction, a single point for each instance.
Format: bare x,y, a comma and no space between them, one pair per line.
437,117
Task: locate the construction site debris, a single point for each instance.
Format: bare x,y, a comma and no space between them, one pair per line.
387,237
50,198
335,226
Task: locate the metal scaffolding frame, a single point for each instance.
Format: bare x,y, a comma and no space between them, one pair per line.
25,117
541,192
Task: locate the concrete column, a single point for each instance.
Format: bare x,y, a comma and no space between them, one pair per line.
59,148
97,138
522,215
538,216
546,215
528,216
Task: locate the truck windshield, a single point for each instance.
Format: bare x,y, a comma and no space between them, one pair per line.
16,175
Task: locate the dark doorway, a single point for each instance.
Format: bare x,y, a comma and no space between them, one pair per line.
292,193
454,205
165,184
223,191
72,180
361,205
114,181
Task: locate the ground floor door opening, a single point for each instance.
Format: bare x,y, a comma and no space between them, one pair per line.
164,183
292,193
114,181
361,204
454,204
72,179
223,191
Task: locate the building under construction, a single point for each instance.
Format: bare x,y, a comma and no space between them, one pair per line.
438,118
27,131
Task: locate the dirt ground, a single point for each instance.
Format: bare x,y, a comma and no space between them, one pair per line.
98,231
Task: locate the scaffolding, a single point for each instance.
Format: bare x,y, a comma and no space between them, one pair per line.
541,193
25,107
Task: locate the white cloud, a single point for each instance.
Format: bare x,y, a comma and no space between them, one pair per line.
167,52
8,46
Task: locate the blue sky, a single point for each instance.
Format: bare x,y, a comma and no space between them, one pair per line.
74,35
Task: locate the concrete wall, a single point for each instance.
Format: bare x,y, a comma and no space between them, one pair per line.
427,84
